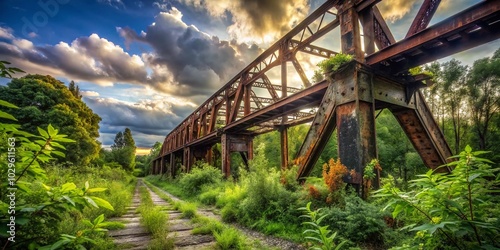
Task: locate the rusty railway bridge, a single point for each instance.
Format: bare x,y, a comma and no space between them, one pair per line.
251,104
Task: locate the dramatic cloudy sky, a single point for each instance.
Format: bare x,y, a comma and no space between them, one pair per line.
147,64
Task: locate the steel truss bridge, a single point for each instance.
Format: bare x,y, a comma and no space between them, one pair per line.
252,103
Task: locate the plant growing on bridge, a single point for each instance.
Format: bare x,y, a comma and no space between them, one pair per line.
459,209
333,63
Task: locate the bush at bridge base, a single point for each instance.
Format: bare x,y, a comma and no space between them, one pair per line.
262,200
202,175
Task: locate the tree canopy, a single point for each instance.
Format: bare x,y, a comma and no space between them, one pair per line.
123,150
44,100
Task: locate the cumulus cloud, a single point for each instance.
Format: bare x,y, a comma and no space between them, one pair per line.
257,20
149,119
183,61
89,93
394,10
87,58
6,32
186,61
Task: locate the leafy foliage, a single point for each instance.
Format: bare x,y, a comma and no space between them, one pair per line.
83,237
456,209
201,175
52,202
8,71
333,63
43,100
333,173
228,239
359,221
320,237
123,150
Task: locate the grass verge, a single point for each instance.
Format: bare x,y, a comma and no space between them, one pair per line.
226,237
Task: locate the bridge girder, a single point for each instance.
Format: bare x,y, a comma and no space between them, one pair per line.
242,108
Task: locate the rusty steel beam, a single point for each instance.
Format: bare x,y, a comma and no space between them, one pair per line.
423,131
321,128
312,49
484,12
356,138
275,88
424,16
365,4
237,101
291,104
301,73
368,22
349,31
284,147
382,33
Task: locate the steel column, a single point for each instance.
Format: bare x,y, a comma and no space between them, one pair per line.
284,147
172,165
349,30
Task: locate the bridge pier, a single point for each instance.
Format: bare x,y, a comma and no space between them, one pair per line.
172,165
162,164
284,147
349,105
235,143
188,159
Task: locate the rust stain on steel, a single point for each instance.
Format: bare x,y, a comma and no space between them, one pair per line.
424,16
474,26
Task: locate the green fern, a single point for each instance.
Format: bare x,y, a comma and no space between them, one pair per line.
320,236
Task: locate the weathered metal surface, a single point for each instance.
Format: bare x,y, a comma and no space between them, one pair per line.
311,49
239,110
301,73
284,147
348,105
307,98
321,128
423,132
235,143
349,30
443,34
382,33
356,138
424,16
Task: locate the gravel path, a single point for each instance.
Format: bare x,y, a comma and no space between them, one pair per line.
269,241
134,236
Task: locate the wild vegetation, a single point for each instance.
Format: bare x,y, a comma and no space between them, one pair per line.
52,197
415,208
66,186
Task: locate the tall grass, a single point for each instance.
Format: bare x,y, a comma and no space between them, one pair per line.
155,221
119,185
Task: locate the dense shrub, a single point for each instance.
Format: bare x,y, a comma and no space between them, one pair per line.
459,209
233,194
209,197
359,221
203,175
266,196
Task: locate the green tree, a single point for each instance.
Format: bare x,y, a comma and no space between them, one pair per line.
123,151
484,96
43,100
119,141
452,78
75,90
